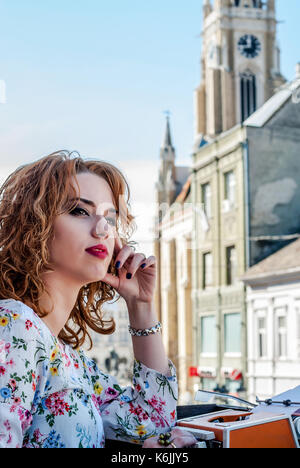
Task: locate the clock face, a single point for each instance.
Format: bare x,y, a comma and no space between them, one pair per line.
249,46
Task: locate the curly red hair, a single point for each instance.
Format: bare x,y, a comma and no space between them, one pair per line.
30,199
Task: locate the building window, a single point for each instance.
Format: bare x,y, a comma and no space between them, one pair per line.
229,190
231,265
298,328
229,186
208,335
261,323
207,270
254,3
281,332
232,332
248,94
206,199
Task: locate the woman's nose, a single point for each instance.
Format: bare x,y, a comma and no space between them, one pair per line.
101,228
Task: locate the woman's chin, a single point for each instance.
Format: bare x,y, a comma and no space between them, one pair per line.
95,278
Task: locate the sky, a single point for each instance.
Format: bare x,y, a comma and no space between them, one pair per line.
97,76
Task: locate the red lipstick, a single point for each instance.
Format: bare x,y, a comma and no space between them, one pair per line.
99,251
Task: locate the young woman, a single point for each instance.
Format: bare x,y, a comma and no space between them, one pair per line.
64,230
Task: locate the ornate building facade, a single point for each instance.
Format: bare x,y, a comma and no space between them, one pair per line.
240,63
247,139
243,184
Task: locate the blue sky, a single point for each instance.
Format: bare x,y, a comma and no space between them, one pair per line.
95,76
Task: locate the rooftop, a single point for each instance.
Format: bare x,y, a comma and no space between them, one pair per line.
285,260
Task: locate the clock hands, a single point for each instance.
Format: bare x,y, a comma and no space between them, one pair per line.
249,46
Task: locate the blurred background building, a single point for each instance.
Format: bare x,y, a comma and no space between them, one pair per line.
113,353
243,186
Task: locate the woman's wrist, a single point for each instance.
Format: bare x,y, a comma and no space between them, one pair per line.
141,314
149,349
145,331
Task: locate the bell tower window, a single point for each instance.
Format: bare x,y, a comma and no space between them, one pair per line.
248,3
248,94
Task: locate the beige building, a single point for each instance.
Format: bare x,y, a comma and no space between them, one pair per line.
240,62
173,230
244,191
248,180
246,173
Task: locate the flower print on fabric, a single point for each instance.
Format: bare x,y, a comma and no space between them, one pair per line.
52,396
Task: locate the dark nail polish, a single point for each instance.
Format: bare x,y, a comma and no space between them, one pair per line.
129,275
143,266
118,264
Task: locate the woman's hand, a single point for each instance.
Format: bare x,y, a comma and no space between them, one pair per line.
141,285
179,437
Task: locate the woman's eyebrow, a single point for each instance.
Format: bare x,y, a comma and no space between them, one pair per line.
91,203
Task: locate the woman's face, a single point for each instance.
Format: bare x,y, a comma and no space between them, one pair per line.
76,231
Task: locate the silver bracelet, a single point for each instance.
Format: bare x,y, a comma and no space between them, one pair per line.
146,331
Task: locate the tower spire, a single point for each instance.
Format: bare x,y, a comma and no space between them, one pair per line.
167,142
167,172
207,8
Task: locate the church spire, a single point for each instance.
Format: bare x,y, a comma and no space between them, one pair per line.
207,8
167,173
167,142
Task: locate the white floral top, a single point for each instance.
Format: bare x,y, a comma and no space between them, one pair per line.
52,396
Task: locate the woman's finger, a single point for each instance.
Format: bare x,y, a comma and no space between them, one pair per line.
179,437
123,255
148,262
134,264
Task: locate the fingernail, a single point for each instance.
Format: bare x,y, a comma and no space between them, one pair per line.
143,266
118,264
129,275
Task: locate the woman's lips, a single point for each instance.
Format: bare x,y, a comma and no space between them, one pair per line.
97,253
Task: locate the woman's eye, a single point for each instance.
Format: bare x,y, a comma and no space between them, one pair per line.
111,221
78,211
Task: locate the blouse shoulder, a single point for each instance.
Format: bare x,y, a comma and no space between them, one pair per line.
17,319
25,346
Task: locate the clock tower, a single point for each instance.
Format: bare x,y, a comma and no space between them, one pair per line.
240,63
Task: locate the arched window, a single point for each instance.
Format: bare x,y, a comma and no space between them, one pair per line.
248,94
247,3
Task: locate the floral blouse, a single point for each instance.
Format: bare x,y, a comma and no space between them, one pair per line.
52,396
